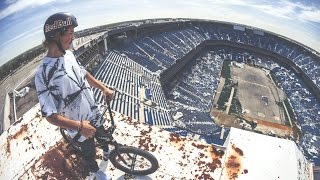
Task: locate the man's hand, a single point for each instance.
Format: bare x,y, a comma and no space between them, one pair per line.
87,130
108,93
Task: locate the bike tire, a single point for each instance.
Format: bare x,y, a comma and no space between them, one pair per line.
144,157
68,139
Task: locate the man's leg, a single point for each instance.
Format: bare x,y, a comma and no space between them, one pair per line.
100,138
89,153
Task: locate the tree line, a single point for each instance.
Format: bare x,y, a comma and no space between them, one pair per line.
11,66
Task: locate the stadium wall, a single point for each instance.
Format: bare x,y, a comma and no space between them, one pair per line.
151,29
5,112
164,24
120,37
169,73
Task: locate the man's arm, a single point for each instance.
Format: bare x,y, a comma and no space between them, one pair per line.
108,93
87,130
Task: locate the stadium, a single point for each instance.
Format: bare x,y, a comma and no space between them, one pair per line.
162,67
198,78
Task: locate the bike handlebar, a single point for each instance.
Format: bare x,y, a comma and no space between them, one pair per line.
110,113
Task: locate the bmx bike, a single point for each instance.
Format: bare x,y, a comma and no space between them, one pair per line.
131,160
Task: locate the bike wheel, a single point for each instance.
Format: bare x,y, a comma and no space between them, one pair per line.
133,161
68,139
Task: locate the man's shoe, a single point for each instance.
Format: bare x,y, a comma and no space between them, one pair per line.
100,175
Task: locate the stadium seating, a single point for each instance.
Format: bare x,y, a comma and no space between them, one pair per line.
128,77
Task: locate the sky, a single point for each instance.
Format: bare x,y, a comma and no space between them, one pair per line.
21,21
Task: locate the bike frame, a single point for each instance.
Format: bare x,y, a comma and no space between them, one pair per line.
107,135
112,140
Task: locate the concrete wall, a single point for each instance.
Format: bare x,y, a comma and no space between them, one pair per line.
5,121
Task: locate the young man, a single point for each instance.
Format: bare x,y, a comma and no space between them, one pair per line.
64,91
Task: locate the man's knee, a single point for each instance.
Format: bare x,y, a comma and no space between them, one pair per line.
88,148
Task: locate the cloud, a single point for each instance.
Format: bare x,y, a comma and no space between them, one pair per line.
27,34
280,10
289,10
9,1
310,15
285,9
19,5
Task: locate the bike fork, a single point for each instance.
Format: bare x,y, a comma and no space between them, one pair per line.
133,161
131,165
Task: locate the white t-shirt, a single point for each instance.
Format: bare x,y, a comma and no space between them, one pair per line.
62,88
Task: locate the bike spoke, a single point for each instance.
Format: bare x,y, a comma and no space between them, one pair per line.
133,161
123,159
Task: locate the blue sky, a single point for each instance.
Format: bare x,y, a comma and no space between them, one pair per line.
21,21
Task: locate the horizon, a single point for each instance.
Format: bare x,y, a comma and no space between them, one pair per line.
21,21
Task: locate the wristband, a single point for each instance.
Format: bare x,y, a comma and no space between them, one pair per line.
81,125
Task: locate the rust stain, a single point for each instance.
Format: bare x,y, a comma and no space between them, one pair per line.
239,151
39,116
245,171
199,146
60,163
208,160
23,129
204,175
8,151
208,167
233,165
216,156
144,132
153,147
131,121
175,138
177,141
145,140
214,153
268,124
